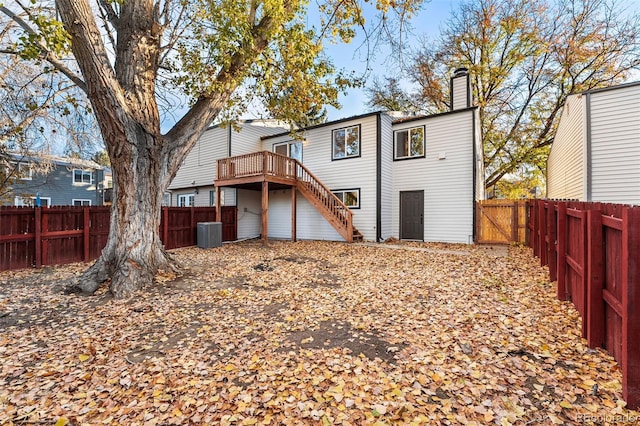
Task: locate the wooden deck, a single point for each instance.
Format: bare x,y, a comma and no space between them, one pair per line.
266,171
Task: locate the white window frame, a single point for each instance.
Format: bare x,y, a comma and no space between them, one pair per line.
340,193
18,170
288,145
409,132
184,199
83,202
83,173
29,168
344,133
19,201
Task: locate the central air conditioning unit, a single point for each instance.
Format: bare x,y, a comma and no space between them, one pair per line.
209,234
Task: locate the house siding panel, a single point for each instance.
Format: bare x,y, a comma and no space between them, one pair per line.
199,167
566,171
358,172
249,213
615,145
386,139
58,186
447,183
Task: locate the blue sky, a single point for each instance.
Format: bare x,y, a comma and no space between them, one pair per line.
426,23
434,13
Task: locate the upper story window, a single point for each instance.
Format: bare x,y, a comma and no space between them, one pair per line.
346,142
409,143
82,176
291,149
22,171
25,171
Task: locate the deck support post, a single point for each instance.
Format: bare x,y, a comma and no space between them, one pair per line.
294,194
218,205
265,211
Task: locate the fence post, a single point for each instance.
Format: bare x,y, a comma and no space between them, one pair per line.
85,233
594,317
38,236
562,251
533,218
194,227
514,222
631,306
165,226
44,241
552,230
542,231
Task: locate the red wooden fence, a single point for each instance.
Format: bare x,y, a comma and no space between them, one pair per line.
593,251
35,236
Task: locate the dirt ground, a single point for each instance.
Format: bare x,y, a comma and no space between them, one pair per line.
306,333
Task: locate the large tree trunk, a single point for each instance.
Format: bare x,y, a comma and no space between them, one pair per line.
143,160
133,253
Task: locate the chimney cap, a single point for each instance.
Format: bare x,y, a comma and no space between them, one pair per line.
460,72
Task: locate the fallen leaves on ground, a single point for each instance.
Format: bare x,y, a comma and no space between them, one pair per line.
306,333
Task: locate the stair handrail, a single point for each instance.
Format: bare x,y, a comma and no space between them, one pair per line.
337,208
271,163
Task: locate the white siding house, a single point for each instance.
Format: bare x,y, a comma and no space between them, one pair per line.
595,155
410,178
194,182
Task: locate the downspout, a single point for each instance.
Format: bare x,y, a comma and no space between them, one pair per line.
378,177
475,175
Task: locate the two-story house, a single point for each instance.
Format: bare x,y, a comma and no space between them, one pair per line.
372,176
51,180
595,155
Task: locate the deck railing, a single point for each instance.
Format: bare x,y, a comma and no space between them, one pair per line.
281,166
256,164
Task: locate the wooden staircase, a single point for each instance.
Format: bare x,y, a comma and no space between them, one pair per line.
329,206
268,166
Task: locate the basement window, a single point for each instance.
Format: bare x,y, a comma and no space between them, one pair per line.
350,197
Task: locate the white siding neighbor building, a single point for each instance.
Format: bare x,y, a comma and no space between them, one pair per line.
372,176
595,155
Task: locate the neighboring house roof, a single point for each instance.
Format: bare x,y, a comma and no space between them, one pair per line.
605,89
264,122
58,160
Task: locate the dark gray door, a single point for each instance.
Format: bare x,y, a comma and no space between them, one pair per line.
412,215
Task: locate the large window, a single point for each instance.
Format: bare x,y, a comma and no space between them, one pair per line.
82,176
350,197
186,200
346,142
409,143
291,149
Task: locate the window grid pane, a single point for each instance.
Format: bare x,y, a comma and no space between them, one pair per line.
346,142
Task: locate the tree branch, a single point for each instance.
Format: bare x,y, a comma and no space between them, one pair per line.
46,55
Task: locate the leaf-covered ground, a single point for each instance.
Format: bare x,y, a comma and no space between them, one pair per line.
306,333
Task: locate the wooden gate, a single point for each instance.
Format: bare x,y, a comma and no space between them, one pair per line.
501,221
